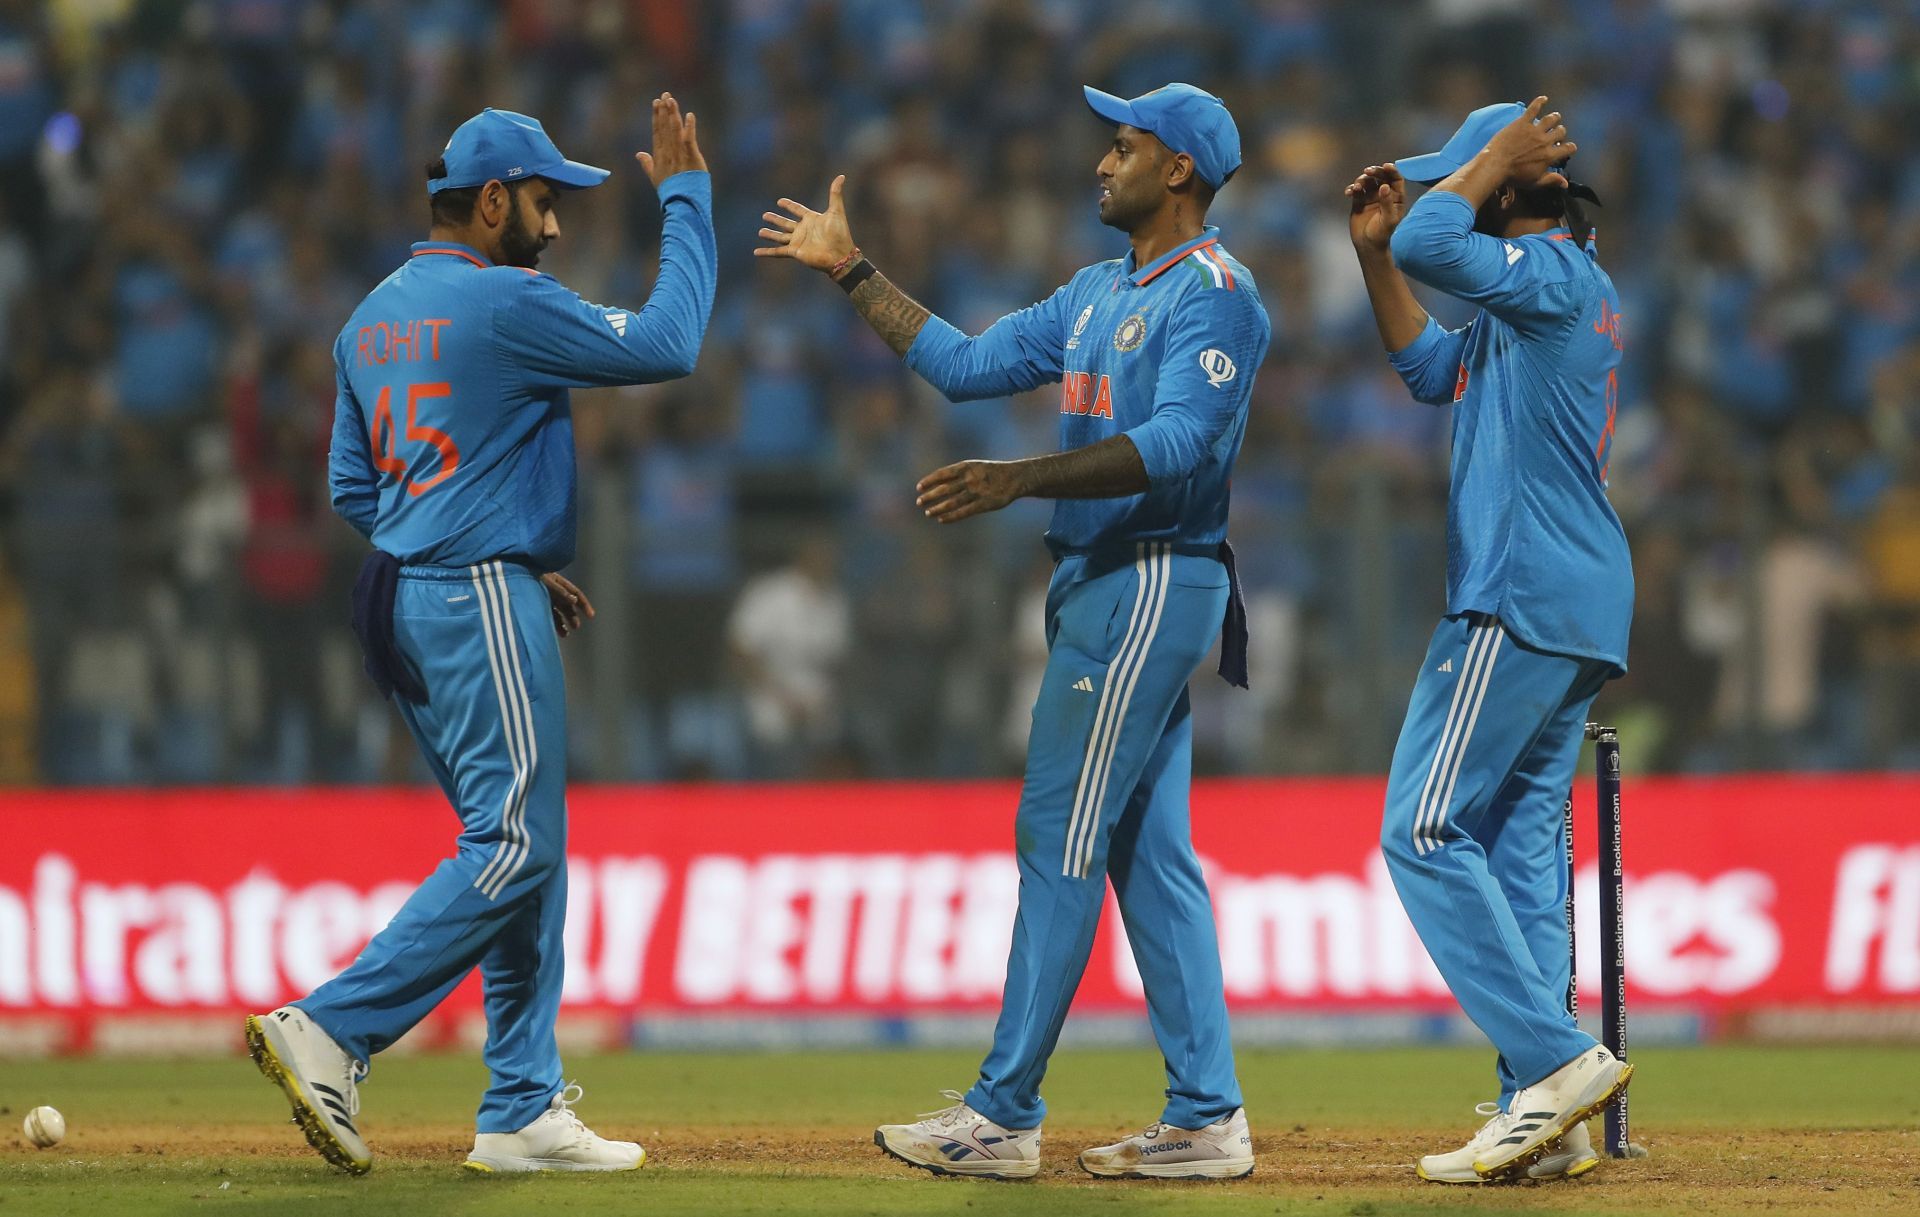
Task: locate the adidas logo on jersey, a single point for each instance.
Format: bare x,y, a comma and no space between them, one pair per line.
1084,684
1445,667
618,320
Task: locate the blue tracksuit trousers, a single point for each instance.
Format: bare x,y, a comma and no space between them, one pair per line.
1109,763
493,730
1474,832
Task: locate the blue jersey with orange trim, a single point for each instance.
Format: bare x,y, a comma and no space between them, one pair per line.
1534,382
452,432
1163,354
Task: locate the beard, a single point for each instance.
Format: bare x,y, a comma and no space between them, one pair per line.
1123,212
519,246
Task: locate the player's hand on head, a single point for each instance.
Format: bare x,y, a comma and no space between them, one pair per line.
676,143
819,239
969,488
570,605
1532,145
1377,202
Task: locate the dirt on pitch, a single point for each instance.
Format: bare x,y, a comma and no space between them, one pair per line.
1696,1171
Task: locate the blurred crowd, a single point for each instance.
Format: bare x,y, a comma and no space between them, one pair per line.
195,193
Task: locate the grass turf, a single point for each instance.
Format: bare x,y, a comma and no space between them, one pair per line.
1731,1129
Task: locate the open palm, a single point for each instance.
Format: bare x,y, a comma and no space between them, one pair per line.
819,239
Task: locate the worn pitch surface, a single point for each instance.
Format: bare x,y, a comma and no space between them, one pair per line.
1730,1130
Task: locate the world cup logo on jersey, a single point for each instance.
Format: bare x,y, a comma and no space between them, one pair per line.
1079,327
1132,332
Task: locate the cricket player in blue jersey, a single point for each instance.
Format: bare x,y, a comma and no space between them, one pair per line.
453,453
1156,353
1539,597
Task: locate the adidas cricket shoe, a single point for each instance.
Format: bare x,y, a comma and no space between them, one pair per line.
555,1141
1545,1112
1221,1150
319,1079
1575,1156
960,1141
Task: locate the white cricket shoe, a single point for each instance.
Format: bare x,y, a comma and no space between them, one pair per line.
320,1080
958,1140
1574,1158
1543,1113
1221,1150
555,1141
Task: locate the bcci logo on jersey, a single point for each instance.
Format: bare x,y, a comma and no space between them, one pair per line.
1132,332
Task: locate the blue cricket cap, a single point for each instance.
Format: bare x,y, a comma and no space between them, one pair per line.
1465,144
1183,118
499,144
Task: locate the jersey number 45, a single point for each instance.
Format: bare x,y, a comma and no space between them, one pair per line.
384,440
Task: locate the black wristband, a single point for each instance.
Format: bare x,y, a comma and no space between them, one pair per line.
862,271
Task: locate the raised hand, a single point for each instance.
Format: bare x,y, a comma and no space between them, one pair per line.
1378,202
1529,147
819,239
676,147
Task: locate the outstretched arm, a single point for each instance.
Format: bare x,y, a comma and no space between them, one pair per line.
1110,469
1018,352
557,339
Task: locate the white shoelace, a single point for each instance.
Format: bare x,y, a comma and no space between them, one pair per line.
947,1117
563,1103
1496,1126
351,1077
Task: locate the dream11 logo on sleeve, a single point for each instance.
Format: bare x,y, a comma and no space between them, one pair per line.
1219,368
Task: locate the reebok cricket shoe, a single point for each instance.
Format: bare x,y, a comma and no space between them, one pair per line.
319,1079
960,1141
555,1141
1221,1150
1575,1156
1543,1113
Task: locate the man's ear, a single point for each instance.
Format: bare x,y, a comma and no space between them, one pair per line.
1179,169
495,202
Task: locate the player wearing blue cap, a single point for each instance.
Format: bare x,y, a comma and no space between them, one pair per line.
453,453
1156,352
1539,597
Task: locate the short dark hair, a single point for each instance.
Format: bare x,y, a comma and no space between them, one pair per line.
454,207
1541,202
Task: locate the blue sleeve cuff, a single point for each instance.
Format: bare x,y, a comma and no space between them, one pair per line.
1411,356
932,348
694,185
1155,451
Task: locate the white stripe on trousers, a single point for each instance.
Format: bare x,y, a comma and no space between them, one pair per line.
1154,566
529,743
1476,674
516,723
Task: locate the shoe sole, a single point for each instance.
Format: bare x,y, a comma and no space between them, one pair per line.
1225,1168
1516,1167
1021,1170
1572,1172
530,1166
328,1146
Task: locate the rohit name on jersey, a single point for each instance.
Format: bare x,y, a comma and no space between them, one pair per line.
399,341
1086,393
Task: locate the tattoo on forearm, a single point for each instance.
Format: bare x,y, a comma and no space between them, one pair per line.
1109,469
893,314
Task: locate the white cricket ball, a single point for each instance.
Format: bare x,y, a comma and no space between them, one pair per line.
45,1127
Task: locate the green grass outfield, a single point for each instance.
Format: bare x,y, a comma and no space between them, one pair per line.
1731,1130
